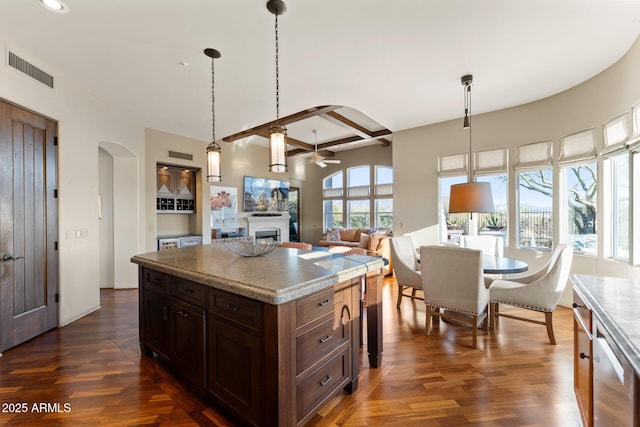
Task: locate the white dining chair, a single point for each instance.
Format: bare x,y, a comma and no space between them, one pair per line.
539,291
405,267
453,285
489,245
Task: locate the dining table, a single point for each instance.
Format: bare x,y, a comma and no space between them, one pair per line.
503,265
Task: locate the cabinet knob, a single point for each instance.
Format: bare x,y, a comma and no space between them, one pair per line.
583,356
183,313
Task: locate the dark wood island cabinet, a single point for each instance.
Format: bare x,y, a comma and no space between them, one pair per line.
271,352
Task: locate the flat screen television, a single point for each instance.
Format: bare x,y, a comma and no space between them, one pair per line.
265,195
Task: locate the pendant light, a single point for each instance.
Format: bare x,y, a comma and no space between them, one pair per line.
213,149
277,132
472,196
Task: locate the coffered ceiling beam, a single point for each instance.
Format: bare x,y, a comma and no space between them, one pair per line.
296,117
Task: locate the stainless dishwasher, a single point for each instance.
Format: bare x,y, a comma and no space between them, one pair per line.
613,379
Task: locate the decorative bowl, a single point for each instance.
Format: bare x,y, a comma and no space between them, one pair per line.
259,248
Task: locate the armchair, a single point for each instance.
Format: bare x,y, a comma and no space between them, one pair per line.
539,291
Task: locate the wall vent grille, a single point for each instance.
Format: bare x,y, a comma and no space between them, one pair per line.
179,155
30,70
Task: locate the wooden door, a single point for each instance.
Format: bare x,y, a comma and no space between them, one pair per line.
28,225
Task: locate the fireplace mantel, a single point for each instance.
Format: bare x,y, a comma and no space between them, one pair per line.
270,222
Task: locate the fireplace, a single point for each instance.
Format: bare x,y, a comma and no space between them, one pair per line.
273,224
268,235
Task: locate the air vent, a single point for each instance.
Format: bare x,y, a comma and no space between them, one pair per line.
178,155
30,70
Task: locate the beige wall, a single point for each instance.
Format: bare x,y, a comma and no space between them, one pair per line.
84,123
588,105
238,159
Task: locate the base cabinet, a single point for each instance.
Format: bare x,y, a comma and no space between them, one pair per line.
270,365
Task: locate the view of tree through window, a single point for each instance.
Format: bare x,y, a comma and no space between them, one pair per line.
580,206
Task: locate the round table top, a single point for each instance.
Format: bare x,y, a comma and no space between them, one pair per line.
502,265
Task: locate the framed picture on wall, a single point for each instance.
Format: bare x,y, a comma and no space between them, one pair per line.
265,195
224,206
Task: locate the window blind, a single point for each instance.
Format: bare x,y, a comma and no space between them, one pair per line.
491,161
616,132
453,164
534,155
578,146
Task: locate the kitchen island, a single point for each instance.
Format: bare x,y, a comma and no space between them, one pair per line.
270,338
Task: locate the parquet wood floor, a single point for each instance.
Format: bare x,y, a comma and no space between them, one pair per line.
90,372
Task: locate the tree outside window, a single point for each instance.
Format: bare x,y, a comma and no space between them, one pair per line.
580,201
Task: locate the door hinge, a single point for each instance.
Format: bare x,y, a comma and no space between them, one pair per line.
57,297
55,193
55,140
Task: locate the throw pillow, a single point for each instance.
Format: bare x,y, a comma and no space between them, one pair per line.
333,234
364,241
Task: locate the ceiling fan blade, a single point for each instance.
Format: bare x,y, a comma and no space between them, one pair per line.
321,164
332,161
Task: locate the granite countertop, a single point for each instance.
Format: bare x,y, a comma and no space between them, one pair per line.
278,277
614,302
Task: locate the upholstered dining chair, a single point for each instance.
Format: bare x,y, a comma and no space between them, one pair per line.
539,291
296,245
405,267
452,280
489,245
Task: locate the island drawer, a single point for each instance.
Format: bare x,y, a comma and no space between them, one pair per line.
582,311
313,390
236,308
314,306
156,281
316,343
190,292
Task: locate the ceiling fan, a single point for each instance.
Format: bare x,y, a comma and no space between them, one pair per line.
317,158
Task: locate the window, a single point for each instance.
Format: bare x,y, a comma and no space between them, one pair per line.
455,224
333,205
619,179
333,214
492,166
534,188
358,192
360,199
383,197
579,205
535,209
579,184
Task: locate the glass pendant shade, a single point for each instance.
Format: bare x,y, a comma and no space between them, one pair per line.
471,197
277,149
213,163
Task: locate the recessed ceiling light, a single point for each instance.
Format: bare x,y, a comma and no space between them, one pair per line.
54,5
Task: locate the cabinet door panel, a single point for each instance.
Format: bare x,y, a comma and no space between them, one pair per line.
187,341
582,369
234,368
156,323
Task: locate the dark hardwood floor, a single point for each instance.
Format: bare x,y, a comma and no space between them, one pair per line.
90,372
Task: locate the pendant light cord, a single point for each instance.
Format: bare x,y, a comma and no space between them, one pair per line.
277,76
213,103
467,108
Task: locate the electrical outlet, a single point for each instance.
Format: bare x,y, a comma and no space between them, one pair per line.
82,233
